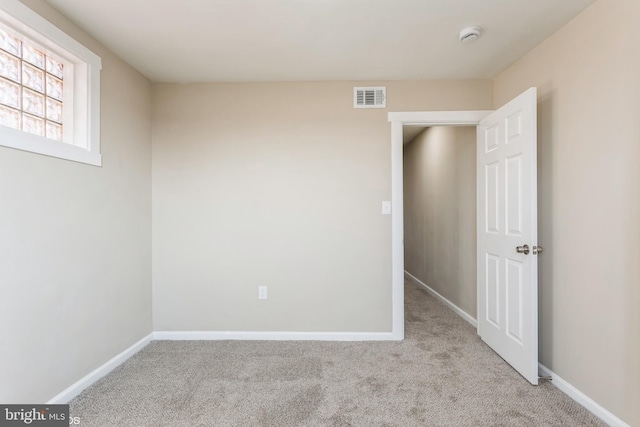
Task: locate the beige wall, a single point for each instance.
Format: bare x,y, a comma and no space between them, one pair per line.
278,184
74,248
440,212
588,79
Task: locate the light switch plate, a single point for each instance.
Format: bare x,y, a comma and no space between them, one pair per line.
386,207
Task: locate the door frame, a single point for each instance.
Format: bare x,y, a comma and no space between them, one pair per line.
398,121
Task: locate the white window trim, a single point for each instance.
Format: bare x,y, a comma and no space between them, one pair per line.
86,90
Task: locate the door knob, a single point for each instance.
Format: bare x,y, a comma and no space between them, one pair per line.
523,249
537,250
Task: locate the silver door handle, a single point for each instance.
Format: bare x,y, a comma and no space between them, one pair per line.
537,250
523,249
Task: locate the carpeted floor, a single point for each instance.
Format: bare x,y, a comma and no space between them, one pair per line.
440,375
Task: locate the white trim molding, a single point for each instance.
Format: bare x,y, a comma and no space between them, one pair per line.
439,118
397,232
398,121
584,400
76,388
460,312
271,336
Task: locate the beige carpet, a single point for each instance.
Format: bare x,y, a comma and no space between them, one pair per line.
440,375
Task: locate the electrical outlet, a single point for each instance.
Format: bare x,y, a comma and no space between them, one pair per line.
262,292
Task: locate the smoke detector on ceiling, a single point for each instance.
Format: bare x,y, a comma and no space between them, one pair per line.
469,34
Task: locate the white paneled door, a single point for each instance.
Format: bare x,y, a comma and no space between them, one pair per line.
508,234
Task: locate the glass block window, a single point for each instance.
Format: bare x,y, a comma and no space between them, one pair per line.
31,88
49,88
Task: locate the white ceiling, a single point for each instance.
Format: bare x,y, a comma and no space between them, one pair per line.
291,40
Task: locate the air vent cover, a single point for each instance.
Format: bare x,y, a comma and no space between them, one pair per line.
370,97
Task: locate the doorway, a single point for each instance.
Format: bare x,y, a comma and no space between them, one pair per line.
398,122
440,218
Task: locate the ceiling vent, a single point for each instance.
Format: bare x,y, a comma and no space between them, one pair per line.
370,97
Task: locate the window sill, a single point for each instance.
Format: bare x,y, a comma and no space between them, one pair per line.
13,138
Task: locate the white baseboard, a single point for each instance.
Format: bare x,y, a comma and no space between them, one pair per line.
466,316
273,336
76,388
584,400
